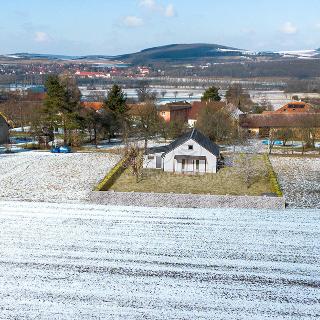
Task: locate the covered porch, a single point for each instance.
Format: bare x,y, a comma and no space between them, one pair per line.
190,164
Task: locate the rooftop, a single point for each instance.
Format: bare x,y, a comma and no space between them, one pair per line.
195,135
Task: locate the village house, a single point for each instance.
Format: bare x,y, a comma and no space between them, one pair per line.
175,111
192,153
293,107
293,115
198,106
4,129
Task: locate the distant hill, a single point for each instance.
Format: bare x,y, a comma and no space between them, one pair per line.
179,53
52,57
183,52
200,59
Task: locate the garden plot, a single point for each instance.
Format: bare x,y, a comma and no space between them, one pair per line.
77,261
52,177
299,178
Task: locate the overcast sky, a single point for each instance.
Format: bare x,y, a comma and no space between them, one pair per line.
112,27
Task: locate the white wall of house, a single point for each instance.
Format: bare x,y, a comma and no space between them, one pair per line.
153,161
171,164
192,123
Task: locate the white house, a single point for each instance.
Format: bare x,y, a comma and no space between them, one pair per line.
192,153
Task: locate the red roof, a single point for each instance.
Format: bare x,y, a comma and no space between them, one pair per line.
93,105
293,107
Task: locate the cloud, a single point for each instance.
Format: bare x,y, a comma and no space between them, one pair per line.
149,4
41,37
153,5
132,22
289,28
170,11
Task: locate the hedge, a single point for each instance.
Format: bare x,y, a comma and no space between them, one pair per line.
111,177
275,186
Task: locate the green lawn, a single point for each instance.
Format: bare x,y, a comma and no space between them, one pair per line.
227,181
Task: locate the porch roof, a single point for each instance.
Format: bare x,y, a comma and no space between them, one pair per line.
187,157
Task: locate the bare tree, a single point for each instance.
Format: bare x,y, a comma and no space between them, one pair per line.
163,93
147,121
145,93
134,161
175,93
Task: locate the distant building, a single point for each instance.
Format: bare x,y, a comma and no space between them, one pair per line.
92,75
175,111
192,153
4,129
293,107
143,71
262,123
296,114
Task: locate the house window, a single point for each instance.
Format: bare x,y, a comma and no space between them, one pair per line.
183,164
163,114
151,157
190,147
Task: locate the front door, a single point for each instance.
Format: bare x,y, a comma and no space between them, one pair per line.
196,166
158,162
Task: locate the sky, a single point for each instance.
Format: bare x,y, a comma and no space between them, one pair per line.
111,27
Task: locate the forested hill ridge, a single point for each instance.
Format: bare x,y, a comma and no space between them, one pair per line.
195,60
176,53
184,52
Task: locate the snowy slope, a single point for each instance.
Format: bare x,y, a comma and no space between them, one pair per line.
300,54
94,262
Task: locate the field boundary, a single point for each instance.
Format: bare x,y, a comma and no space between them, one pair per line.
274,181
106,183
173,200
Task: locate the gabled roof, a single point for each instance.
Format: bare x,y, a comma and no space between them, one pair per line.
293,107
160,149
198,137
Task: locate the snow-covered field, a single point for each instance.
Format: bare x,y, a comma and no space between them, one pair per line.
300,180
73,261
42,176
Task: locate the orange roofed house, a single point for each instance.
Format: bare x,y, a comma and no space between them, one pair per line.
293,107
175,111
292,115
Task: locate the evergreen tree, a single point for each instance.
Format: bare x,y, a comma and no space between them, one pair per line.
62,106
211,94
116,103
